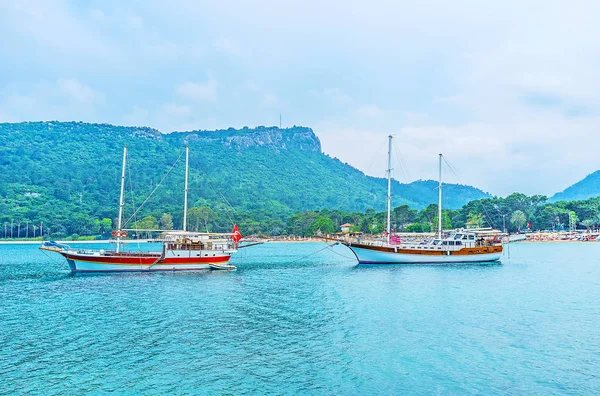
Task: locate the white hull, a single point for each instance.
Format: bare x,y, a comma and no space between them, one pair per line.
89,266
174,261
368,256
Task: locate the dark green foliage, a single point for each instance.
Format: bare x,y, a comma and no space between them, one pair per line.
483,213
67,175
323,225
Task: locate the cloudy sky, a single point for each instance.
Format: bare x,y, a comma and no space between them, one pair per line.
509,90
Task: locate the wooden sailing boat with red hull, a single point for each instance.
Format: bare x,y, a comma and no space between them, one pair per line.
181,250
461,246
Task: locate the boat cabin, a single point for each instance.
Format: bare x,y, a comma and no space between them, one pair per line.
189,241
462,239
457,240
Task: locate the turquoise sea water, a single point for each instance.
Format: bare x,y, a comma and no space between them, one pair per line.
319,325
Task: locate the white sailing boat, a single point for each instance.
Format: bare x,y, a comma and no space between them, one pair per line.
181,250
461,246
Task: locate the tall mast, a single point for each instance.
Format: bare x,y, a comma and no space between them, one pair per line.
187,151
440,201
121,199
389,194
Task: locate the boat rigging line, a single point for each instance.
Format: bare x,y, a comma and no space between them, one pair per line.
401,163
452,169
376,155
133,207
154,190
231,206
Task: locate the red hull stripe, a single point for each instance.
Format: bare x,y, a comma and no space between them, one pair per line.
139,270
148,260
194,260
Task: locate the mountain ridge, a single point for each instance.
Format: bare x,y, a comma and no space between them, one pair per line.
588,187
72,169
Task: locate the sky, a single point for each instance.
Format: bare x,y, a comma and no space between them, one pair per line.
508,91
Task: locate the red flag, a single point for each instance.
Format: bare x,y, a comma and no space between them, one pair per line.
236,235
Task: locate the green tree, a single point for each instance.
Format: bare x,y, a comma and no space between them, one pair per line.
588,223
300,223
446,222
200,217
323,225
414,227
474,220
518,219
103,226
148,223
573,219
428,214
404,215
166,221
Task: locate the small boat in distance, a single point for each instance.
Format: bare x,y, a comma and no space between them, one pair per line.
462,246
181,250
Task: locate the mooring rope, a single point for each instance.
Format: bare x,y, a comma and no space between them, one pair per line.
339,254
318,251
50,257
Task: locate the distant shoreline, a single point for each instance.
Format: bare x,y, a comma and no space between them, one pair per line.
129,241
262,241
96,241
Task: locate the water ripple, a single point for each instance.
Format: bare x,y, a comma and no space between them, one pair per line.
280,325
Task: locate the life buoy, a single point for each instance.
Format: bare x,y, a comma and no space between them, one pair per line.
119,234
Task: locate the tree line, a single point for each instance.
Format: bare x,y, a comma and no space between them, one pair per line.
514,213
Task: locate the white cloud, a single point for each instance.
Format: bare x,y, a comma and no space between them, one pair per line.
63,100
336,95
251,85
97,14
138,116
198,91
370,111
270,99
173,109
54,25
227,46
505,89
74,90
135,22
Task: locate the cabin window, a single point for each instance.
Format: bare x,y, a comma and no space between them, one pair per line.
451,243
458,243
471,237
444,242
458,236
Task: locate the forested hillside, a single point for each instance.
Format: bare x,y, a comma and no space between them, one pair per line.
67,175
588,187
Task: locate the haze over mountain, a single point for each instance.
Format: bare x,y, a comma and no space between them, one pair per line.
588,187
495,86
61,170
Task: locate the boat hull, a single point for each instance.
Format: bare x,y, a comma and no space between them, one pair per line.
79,264
372,256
